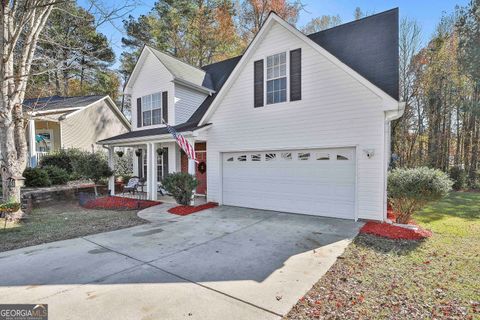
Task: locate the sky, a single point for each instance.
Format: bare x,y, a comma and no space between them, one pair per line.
426,12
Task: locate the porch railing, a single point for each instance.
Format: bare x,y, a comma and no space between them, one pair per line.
40,155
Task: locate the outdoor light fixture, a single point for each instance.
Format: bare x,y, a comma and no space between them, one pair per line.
138,152
369,152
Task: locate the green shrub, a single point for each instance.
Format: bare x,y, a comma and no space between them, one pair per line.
93,166
180,185
36,177
411,189
459,177
62,159
57,175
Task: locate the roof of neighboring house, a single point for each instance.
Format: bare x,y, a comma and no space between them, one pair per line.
54,103
368,45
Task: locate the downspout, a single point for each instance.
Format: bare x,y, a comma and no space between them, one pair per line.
389,117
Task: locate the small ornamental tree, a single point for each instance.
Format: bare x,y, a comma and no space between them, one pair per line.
93,166
411,189
180,185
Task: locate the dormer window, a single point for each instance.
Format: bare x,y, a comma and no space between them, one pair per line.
277,78
152,109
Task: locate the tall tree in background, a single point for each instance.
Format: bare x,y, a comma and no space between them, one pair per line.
254,13
321,23
358,13
72,56
440,84
22,22
468,29
406,130
197,32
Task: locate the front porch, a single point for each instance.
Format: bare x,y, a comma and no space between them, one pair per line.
152,161
43,137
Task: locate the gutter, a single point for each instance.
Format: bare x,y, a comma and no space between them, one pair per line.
390,115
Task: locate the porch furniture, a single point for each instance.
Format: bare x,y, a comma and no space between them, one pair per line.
132,185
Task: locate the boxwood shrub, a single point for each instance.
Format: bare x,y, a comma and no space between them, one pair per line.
180,185
36,177
57,175
411,189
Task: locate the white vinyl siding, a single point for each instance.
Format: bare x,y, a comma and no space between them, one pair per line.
82,130
335,111
187,102
152,78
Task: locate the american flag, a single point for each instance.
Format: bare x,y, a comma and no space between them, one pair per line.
183,143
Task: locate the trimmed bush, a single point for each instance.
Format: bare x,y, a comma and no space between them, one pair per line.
36,177
411,189
93,166
180,185
62,159
57,175
459,177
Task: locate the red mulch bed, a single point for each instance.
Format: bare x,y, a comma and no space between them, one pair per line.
394,232
390,231
186,210
119,203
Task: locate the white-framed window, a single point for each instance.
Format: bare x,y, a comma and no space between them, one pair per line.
276,74
152,109
159,166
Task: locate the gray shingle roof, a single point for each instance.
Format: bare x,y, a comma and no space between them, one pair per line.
183,71
57,102
369,46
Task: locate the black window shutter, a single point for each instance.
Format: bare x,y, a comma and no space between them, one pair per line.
296,74
165,105
258,83
165,162
140,166
139,112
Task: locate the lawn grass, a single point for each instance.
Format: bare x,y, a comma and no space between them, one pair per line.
376,278
60,221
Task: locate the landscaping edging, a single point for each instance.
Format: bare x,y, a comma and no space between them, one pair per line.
34,198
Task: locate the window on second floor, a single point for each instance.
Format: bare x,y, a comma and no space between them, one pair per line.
277,78
152,109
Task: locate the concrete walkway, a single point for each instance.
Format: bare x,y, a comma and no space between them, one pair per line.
223,263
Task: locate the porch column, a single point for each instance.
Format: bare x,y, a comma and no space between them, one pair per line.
32,143
111,165
153,172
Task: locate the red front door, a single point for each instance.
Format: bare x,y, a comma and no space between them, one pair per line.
201,172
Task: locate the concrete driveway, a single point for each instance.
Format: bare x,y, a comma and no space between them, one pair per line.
223,263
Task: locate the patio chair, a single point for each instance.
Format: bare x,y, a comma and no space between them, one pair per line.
131,185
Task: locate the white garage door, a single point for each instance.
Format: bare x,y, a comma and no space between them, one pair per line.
314,181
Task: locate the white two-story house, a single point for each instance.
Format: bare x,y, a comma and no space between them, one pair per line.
298,123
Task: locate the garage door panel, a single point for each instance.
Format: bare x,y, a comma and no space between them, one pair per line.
292,181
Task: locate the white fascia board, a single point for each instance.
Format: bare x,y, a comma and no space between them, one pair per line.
388,103
395,113
35,113
135,71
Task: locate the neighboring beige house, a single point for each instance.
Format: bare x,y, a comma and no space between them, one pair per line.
71,122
